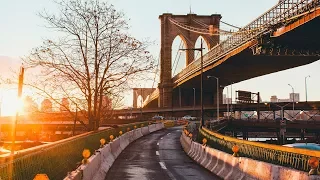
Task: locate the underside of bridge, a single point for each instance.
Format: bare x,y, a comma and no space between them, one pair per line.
287,47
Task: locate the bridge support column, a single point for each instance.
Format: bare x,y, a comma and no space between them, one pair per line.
165,95
302,134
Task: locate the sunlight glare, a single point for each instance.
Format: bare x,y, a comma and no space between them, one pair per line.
10,103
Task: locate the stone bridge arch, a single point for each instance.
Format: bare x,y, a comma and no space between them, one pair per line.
143,92
169,31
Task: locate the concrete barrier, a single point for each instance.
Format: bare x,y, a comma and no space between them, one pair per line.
131,136
137,133
159,126
228,167
115,148
145,130
90,170
152,128
100,163
124,141
107,159
74,175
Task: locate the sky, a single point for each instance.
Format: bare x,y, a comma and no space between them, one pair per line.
21,30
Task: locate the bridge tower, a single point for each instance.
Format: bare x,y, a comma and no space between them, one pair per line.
169,31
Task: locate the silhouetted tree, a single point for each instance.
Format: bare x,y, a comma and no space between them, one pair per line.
93,57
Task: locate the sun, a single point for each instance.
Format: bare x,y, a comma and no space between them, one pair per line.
10,103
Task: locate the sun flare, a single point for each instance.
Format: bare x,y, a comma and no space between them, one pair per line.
10,103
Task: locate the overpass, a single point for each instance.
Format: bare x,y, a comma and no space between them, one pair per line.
211,109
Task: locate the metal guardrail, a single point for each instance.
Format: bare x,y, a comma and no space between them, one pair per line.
56,159
278,14
286,156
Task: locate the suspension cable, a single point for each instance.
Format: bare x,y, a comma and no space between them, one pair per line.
175,59
229,24
206,26
175,68
157,69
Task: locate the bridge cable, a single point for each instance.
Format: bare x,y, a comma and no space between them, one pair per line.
230,25
157,69
175,59
204,25
175,68
187,40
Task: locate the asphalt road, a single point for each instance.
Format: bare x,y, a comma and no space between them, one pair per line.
157,156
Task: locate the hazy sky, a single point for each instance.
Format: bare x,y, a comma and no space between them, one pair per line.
21,30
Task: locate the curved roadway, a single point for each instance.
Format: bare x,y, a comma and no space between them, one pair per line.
157,156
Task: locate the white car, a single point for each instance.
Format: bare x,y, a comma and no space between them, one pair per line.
157,118
188,117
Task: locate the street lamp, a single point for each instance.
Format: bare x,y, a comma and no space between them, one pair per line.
201,82
194,99
292,100
217,95
227,100
20,86
141,103
305,85
282,115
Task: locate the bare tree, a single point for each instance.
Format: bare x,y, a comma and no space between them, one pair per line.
93,57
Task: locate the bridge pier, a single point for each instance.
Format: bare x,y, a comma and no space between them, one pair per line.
169,31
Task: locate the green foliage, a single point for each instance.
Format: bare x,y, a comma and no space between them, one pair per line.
57,160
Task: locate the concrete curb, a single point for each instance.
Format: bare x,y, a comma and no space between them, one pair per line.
228,167
100,163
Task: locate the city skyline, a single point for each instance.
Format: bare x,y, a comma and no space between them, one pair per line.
19,42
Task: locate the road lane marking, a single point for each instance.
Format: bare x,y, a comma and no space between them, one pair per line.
157,153
157,144
163,166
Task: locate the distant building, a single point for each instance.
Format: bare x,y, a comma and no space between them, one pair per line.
64,104
284,100
294,97
226,100
273,99
29,105
46,106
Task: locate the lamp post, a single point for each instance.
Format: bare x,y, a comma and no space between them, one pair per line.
179,96
292,100
141,103
20,86
227,100
217,95
283,123
201,82
305,86
194,99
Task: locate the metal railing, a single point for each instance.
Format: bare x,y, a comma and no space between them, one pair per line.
277,15
285,156
56,159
